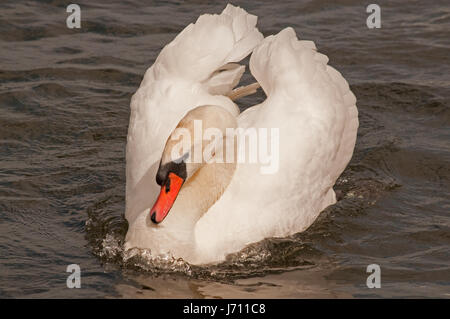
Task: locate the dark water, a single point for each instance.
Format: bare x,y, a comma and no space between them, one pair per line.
64,98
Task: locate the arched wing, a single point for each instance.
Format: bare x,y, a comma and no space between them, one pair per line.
196,68
311,105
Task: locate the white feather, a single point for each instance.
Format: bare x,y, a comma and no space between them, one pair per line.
182,77
313,107
309,101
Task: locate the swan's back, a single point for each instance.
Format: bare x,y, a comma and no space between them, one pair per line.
315,111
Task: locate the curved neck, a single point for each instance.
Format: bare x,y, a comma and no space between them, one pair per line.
201,190
199,193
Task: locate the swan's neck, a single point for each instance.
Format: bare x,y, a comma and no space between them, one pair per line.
176,234
198,194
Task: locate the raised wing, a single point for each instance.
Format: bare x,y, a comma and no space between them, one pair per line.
313,108
196,68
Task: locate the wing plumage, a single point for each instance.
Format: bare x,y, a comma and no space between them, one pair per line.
315,111
207,45
184,75
293,70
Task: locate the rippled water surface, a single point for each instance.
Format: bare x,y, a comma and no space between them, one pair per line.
64,99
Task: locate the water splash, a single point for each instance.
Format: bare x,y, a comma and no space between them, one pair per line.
106,230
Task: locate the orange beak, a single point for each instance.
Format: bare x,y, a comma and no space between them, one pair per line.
166,198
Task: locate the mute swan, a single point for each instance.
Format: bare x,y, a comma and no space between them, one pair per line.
220,208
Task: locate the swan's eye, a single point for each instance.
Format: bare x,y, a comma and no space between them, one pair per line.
161,175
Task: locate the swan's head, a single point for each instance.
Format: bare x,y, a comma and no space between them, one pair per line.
194,143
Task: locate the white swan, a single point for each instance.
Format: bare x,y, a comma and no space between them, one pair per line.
220,208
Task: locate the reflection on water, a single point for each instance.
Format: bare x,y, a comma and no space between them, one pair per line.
65,95
295,284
